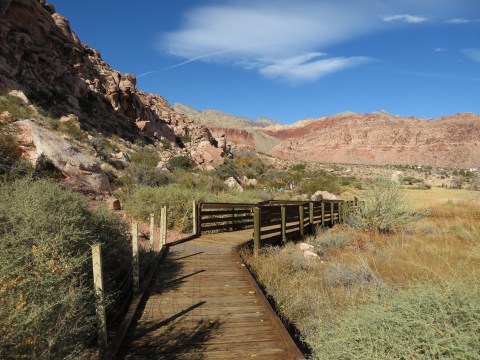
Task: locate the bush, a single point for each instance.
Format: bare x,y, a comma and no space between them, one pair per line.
15,106
319,181
46,299
143,175
146,157
226,170
385,208
423,322
180,162
11,165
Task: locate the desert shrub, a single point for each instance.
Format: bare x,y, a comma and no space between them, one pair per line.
46,300
319,181
202,181
11,164
166,144
146,157
331,241
180,162
422,322
143,175
15,106
337,274
178,199
71,129
226,170
385,208
44,168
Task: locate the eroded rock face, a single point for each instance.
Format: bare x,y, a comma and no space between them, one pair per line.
80,168
43,58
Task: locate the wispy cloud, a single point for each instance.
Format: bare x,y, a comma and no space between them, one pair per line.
461,21
309,67
440,50
411,19
473,54
147,73
286,39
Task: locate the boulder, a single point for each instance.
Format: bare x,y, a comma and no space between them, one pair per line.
310,254
113,203
305,246
233,184
207,156
397,177
323,195
7,118
20,95
80,168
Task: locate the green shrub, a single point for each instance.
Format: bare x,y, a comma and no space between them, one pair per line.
46,300
180,162
384,209
143,175
11,164
226,170
146,157
71,129
319,181
15,106
423,322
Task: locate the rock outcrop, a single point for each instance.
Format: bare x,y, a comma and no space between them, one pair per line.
42,58
82,170
378,139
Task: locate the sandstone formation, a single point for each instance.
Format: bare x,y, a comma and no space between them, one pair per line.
82,170
43,59
379,139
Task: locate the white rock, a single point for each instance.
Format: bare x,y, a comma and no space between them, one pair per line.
305,246
309,254
323,195
397,177
233,184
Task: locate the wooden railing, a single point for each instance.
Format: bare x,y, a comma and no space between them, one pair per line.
275,220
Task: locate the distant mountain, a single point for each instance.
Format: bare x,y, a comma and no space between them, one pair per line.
239,131
215,118
381,138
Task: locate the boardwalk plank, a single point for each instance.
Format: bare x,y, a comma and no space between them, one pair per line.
201,305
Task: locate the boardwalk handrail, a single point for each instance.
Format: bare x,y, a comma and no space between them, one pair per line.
299,217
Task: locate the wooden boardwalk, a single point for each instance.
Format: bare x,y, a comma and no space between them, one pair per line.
203,304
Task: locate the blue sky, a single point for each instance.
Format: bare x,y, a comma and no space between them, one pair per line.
291,59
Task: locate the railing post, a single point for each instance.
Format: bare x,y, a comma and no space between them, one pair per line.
152,232
301,221
332,213
257,228
283,212
233,219
163,226
99,296
135,262
194,218
323,214
310,213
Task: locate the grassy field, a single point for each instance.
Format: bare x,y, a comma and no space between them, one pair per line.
412,294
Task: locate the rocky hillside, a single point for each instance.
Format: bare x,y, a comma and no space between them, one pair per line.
381,139
241,132
42,57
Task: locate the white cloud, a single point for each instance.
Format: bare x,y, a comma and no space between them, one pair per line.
309,67
458,21
411,19
439,50
461,21
282,39
473,54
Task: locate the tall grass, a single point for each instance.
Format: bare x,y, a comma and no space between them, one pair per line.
395,295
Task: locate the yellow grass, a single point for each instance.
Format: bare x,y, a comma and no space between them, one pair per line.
444,246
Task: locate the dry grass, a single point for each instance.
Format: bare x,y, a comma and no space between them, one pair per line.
441,249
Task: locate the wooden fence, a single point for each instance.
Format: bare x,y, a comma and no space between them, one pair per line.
272,221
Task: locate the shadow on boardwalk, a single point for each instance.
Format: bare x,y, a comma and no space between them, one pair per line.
202,305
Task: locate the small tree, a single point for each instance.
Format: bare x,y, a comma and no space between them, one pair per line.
384,209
